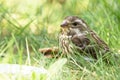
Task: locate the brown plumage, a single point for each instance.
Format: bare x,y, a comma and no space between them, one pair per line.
75,34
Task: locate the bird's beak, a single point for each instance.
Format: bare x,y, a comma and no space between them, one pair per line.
64,24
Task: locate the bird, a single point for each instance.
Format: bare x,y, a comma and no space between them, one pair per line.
75,34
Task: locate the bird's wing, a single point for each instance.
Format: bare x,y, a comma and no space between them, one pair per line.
99,41
80,41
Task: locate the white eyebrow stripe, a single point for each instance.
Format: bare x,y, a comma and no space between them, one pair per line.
78,20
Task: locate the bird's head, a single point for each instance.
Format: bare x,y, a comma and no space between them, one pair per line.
73,22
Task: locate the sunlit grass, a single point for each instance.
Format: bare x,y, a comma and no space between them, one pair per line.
27,25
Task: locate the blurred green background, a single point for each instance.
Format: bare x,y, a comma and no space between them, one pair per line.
27,25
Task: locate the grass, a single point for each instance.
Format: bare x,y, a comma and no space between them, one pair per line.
26,26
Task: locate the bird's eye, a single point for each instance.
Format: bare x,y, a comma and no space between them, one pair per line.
75,23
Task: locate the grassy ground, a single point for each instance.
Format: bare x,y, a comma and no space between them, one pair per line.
27,25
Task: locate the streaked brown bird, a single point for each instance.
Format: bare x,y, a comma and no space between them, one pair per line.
76,35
